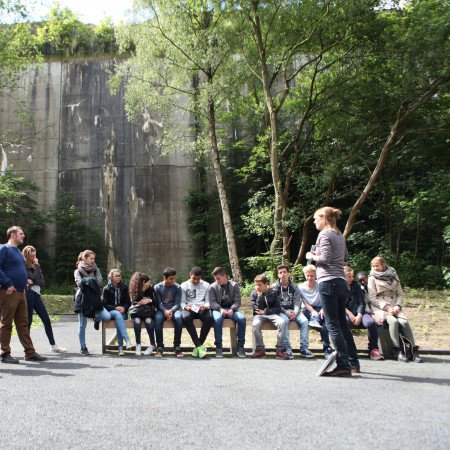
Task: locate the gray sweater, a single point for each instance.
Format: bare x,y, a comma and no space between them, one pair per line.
331,255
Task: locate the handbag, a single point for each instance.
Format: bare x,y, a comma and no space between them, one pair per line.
141,311
407,347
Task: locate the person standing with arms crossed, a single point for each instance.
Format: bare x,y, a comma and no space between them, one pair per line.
330,256
13,304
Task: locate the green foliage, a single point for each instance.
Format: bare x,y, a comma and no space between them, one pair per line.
61,33
18,206
204,214
73,235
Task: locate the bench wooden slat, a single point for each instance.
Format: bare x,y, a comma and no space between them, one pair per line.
227,323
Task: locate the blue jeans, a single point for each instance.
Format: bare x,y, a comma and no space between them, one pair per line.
240,320
35,303
149,326
334,298
104,315
324,335
177,319
302,323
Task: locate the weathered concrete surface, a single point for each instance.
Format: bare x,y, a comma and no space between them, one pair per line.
83,143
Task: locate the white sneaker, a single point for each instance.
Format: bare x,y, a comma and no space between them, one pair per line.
128,344
149,350
121,352
57,349
138,350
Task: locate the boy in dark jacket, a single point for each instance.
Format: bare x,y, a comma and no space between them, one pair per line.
267,308
225,301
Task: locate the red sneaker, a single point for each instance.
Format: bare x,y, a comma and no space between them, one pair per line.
281,354
259,353
376,355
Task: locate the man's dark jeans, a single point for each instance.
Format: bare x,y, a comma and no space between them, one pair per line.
177,319
207,319
334,298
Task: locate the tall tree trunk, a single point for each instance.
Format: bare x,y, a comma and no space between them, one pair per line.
226,217
402,116
279,242
305,235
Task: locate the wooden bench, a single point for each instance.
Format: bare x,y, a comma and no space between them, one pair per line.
384,340
269,326
227,323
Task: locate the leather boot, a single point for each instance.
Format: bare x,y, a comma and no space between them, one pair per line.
399,355
417,358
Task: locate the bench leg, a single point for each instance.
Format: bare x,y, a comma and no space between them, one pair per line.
103,338
385,344
233,341
111,341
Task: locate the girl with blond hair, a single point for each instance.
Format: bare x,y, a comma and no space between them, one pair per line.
36,283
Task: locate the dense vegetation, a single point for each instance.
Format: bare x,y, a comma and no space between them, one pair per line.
343,103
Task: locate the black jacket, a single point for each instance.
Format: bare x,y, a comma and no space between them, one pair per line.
144,311
355,299
36,276
109,297
88,300
268,302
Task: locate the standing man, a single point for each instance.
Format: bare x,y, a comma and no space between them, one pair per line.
290,298
13,304
225,300
168,295
195,305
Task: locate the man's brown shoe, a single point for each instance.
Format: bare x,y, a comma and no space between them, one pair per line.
338,372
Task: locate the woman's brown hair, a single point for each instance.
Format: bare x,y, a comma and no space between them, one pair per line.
136,282
83,255
331,215
27,253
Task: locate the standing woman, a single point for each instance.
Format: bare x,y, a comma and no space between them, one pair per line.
330,256
34,300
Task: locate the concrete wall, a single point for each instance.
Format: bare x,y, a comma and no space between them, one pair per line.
84,144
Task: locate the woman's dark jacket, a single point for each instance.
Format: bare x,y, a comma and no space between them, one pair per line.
109,297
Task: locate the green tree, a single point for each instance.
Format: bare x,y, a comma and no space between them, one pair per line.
183,63
73,235
18,206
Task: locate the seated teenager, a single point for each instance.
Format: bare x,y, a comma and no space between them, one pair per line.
290,298
267,308
143,308
357,316
117,298
168,296
386,300
195,305
225,300
312,310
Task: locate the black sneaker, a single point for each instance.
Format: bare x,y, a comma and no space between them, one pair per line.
84,351
96,324
241,352
36,358
8,359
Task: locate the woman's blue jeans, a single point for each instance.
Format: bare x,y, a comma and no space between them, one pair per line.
35,303
104,315
334,298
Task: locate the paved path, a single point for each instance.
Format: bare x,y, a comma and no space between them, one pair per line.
113,402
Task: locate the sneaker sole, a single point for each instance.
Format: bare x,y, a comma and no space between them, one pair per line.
327,364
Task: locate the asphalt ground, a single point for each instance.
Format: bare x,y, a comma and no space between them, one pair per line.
112,402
